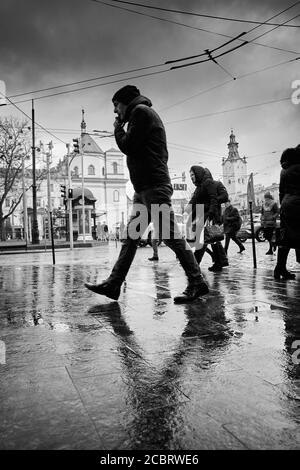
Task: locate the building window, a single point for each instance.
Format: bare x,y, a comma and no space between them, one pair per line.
51,188
239,180
115,168
7,202
38,201
229,181
91,170
103,172
116,196
52,202
75,170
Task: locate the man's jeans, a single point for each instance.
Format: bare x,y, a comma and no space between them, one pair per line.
167,225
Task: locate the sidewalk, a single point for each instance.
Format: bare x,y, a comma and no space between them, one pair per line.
83,372
19,246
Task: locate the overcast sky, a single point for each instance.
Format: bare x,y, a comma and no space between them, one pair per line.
46,44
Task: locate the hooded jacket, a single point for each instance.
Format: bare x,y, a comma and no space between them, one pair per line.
145,145
206,193
289,196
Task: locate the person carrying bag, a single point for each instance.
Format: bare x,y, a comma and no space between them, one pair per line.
206,195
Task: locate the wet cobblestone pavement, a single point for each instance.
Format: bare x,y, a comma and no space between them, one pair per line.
84,372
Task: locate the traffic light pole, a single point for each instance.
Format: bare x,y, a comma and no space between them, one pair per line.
70,200
82,181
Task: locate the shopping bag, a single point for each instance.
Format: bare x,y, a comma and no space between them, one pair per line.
213,233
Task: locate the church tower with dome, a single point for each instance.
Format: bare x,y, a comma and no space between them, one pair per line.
234,170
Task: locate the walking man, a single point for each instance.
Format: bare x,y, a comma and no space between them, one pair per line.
144,143
232,224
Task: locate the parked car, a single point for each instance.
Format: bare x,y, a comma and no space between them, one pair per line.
245,231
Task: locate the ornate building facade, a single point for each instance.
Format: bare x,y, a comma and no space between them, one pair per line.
97,174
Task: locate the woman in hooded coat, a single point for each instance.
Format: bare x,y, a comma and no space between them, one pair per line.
289,197
206,194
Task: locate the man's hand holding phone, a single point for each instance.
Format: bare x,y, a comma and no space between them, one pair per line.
118,122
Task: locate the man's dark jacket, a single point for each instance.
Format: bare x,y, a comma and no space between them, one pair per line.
145,145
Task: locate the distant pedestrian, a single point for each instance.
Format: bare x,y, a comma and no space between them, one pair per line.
145,144
105,231
232,223
206,194
289,198
269,214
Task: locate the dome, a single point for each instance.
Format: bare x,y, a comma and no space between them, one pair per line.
77,193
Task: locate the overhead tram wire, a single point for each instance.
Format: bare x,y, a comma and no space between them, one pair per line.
134,77
93,86
239,77
209,52
228,110
213,58
193,27
223,18
30,118
86,80
152,66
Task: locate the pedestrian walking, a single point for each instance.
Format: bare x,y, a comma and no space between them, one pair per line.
269,214
289,198
232,223
206,194
105,231
144,143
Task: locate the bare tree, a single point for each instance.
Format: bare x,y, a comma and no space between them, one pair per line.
14,146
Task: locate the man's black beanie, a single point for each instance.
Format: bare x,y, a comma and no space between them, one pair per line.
126,94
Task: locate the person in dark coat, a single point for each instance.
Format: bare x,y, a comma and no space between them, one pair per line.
217,253
289,197
206,194
232,224
145,145
269,214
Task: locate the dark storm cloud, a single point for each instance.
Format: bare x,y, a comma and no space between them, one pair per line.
40,39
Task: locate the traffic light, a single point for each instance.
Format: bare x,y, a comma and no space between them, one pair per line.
76,146
63,192
70,193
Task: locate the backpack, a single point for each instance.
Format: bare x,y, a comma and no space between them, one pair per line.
222,192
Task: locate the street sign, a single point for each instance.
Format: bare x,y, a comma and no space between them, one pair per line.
180,186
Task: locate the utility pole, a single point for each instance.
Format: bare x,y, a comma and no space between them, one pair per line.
25,223
70,199
35,229
83,128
